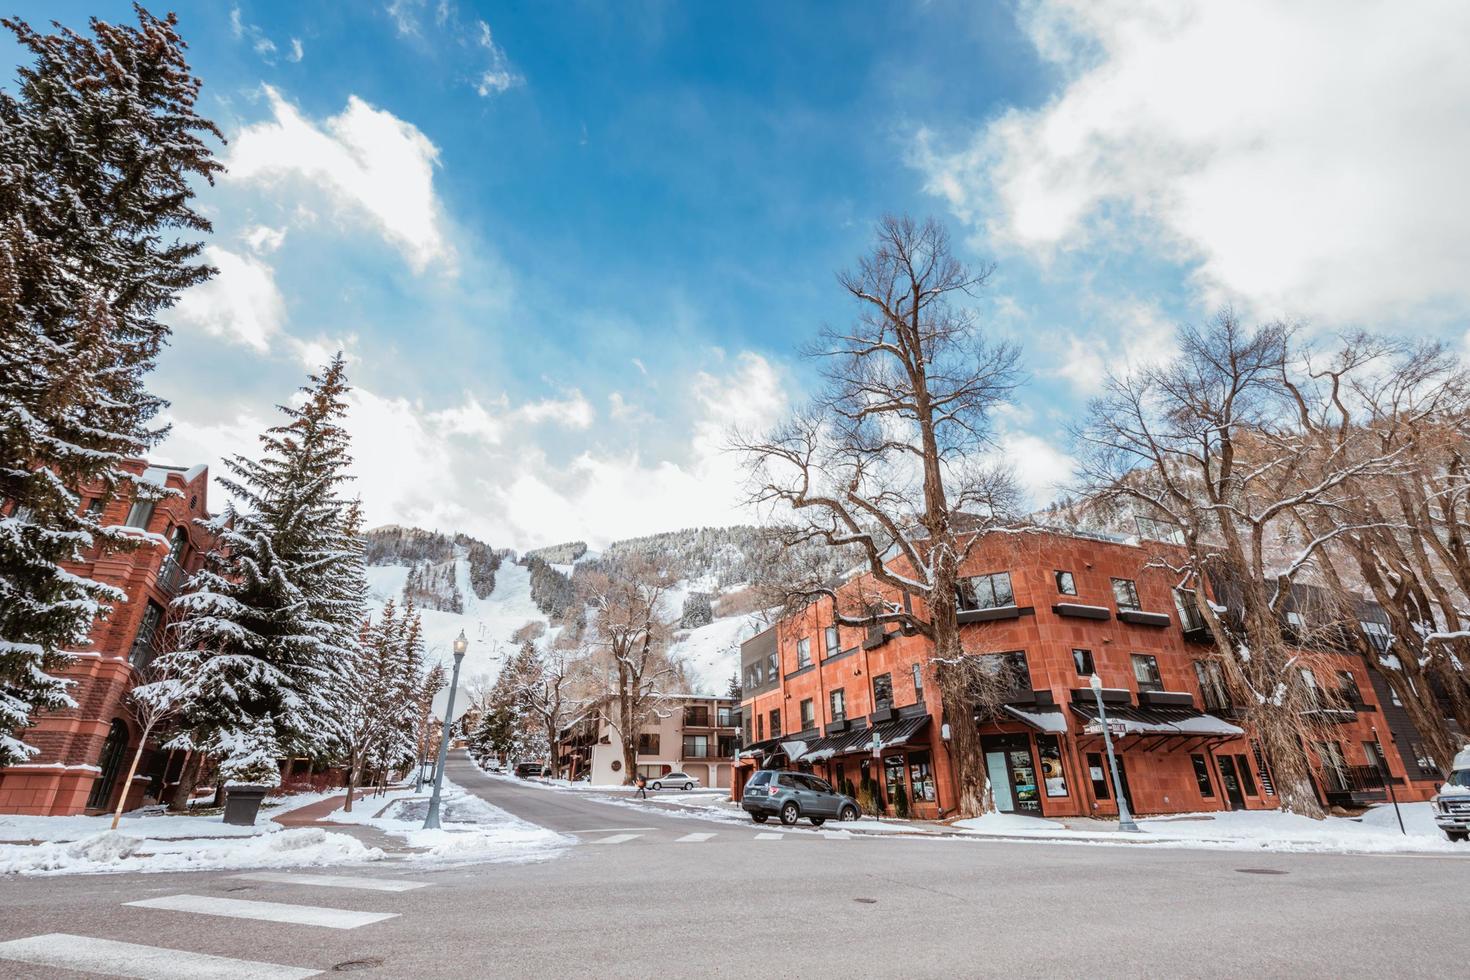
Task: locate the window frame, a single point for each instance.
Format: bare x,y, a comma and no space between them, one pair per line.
879,703
918,671
1070,588
1139,659
1076,664
831,638
835,698
808,714
803,652
969,592
1126,605
775,718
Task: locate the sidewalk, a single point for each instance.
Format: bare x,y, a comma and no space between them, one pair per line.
313,814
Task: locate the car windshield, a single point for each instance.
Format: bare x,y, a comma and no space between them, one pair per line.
761,778
1460,777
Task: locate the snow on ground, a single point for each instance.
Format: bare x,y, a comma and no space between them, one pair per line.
14,827
119,851
487,623
713,652
471,828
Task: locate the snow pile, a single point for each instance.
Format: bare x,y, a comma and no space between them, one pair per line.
114,851
14,827
471,829
1007,823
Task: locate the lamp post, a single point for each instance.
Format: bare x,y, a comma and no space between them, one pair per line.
1125,819
431,822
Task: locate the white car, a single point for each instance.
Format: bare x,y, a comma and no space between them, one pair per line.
1452,802
674,780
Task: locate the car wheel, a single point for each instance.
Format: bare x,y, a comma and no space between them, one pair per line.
1459,836
760,817
790,813
658,785
818,821
849,812
688,787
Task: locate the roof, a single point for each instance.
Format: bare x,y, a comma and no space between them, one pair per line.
887,733
1052,722
1139,720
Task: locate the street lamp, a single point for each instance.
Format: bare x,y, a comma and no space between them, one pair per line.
431,822
1125,819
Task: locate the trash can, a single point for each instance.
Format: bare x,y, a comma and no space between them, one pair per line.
242,803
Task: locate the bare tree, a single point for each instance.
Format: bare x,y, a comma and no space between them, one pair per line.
1213,442
162,696
553,693
629,635
889,460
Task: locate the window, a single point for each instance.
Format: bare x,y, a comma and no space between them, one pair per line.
918,682
921,777
893,767
1098,775
837,701
696,747
144,646
725,717
1082,660
648,743
1244,769
95,506
986,592
1422,758
1378,634
696,715
1202,777
1211,679
727,746
773,665
760,727
1347,688
1011,667
1261,769
883,691
775,722
808,715
1157,530
1051,765
803,652
829,637
1125,593
140,514
1066,585
1189,615
1309,681
748,739
1146,672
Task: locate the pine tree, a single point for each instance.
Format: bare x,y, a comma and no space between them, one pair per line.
99,146
263,624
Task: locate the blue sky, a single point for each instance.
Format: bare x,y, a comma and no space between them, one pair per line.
565,245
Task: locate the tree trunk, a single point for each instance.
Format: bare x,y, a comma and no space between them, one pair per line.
188,779
353,774
128,783
972,780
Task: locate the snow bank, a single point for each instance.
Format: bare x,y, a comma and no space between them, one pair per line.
471,828
115,851
1007,823
150,826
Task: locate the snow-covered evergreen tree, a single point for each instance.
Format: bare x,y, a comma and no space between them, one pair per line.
99,148
251,754
263,624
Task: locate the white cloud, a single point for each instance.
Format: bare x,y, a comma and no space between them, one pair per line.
264,239
498,76
297,51
1042,470
1307,158
480,467
241,304
368,161
1127,335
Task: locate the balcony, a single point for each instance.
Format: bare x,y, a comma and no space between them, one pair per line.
170,576
1140,618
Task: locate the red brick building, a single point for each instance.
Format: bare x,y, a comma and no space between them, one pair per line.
1054,609
85,751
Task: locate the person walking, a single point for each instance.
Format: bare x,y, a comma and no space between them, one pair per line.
642,783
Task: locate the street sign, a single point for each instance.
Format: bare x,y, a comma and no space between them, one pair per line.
1117,729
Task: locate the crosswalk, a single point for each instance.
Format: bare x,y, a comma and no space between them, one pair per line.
595,837
110,957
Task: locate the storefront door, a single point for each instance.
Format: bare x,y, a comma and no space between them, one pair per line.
1231,779
1013,776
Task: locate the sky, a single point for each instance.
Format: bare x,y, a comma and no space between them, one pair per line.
566,246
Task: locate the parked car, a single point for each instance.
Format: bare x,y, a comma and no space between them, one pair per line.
794,795
527,769
1452,803
673,779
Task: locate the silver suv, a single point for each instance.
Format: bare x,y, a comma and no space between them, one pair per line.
793,795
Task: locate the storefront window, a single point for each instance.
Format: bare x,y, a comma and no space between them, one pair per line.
1202,777
893,775
1051,765
921,777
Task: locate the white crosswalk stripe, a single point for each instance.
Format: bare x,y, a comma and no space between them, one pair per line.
693,838
617,839
335,881
769,836
236,908
116,959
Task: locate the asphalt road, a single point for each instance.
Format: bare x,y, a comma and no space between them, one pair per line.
795,903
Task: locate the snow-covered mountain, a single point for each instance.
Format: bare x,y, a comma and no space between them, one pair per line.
460,583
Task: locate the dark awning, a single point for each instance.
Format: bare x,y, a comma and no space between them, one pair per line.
758,748
888,733
1165,724
1045,718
